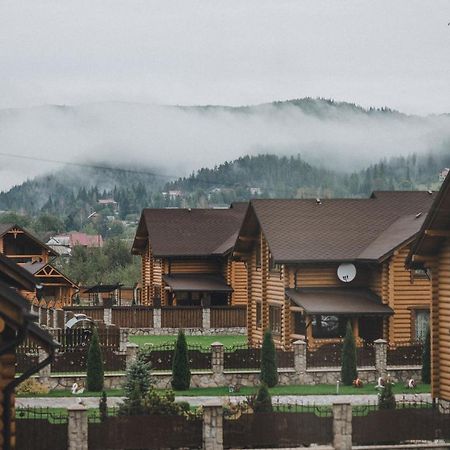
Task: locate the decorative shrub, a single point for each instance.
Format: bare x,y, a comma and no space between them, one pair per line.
103,407
387,398
181,375
95,373
31,386
269,372
138,377
426,359
349,372
263,401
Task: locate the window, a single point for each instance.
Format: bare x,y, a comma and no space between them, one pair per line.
421,322
420,274
299,323
275,319
258,314
328,327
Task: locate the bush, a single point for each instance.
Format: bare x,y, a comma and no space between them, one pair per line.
31,386
103,407
95,373
269,372
263,401
181,375
426,359
138,377
387,397
349,372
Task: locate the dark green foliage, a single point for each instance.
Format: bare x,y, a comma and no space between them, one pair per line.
138,377
426,359
387,397
269,372
94,375
103,407
181,375
263,401
133,403
349,372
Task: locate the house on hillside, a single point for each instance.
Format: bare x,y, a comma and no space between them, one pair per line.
186,256
315,264
20,246
431,253
64,243
16,322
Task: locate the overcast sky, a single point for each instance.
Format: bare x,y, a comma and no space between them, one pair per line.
234,52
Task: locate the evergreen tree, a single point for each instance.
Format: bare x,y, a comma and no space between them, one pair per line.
181,375
269,372
349,372
387,397
426,359
138,377
94,375
263,402
103,407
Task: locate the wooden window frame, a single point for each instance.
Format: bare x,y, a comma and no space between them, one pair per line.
258,314
258,254
275,315
414,310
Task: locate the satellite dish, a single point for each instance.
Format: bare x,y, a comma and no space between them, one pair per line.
346,272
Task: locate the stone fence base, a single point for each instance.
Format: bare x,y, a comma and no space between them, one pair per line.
187,331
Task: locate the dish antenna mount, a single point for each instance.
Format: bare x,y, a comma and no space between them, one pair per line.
346,272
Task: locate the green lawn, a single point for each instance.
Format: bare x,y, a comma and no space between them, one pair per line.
203,341
319,389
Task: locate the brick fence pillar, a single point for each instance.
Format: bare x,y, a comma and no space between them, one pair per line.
212,425
78,427
157,318
132,352
381,357
49,323
45,372
123,333
107,316
342,426
300,360
206,318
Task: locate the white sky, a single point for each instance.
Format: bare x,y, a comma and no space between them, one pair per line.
372,52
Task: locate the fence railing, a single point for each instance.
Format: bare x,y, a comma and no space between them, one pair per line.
330,355
405,353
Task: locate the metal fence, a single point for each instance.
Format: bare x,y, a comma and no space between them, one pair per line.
330,355
405,353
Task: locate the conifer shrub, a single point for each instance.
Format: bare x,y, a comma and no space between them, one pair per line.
103,407
426,359
387,398
138,377
95,372
349,371
181,375
269,372
263,401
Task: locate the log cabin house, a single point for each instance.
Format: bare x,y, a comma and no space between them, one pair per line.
431,252
16,323
294,248
54,288
186,256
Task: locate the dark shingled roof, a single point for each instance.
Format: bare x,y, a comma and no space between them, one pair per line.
198,282
338,229
438,218
189,232
15,275
339,301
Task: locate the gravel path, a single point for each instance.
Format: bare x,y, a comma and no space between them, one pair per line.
92,402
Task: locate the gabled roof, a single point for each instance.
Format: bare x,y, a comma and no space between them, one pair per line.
38,269
435,228
6,227
16,276
189,232
198,282
335,230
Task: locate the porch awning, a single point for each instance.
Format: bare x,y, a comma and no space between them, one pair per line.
197,282
339,301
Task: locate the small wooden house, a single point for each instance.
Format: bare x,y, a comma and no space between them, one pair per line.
431,253
16,323
186,256
20,246
315,264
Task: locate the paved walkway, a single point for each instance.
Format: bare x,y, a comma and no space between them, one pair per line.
92,402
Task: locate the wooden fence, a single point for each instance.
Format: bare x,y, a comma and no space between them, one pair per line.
132,317
181,317
94,312
228,316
